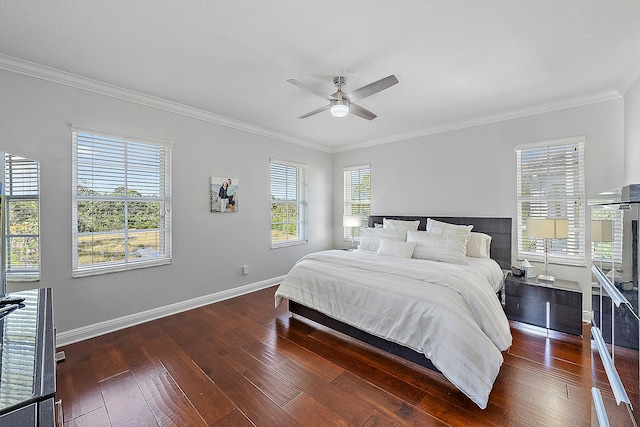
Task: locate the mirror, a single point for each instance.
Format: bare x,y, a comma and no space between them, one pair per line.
19,220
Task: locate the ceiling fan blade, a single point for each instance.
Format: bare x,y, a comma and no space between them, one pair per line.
316,111
371,88
361,112
311,89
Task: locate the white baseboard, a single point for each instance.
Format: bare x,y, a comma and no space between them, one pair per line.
97,329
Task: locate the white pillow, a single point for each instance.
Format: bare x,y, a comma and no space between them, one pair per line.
371,237
440,227
450,248
396,224
396,249
479,245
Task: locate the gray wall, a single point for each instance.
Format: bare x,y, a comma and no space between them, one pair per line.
632,134
464,172
208,249
472,172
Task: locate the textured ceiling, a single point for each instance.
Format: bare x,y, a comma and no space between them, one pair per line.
459,62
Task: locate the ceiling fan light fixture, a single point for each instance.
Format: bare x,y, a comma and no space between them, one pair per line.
339,108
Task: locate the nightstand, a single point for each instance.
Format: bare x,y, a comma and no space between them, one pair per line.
556,306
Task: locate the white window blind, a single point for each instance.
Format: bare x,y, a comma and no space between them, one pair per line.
357,196
551,185
289,220
121,203
21,195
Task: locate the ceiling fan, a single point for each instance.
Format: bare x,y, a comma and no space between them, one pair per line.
342,103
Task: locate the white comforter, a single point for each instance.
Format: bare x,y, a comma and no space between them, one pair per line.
449,312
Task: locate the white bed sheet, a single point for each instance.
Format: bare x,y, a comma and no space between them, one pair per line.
488,269
448,312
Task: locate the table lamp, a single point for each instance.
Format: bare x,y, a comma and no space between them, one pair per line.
547,229
352,221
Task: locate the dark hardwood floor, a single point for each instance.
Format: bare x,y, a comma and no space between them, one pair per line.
241,362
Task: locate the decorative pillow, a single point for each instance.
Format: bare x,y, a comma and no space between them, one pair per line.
371,237
440,227
396,249
396,224
450,248
479,245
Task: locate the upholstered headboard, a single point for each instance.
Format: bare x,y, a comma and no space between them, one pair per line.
498,228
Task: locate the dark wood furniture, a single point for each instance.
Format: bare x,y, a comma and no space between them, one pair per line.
556,306
27,370
498,228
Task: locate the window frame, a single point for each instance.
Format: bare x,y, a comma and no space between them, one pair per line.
350,202
299,201
163,197
569,251
20,192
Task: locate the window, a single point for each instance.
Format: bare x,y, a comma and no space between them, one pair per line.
22,230
121,203
551,184
288,203
357,196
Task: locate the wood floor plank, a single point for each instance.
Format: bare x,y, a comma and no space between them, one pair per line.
198,388
388,407
168,403
125,402
309,412
77,384
347,407
234,419
261,410
380,378
106,358
241,362
132,344
96,418
205,355
267,380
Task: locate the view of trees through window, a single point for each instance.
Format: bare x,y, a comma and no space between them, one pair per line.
22,208
122,201
101,225
288,203
22,235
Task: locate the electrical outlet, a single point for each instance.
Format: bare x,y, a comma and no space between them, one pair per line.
245,269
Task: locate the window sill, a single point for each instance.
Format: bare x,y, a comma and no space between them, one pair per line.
117,268
287,244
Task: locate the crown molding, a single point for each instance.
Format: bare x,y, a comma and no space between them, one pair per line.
54,75
630,74
577,101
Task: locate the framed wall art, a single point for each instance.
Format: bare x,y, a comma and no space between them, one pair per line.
224,194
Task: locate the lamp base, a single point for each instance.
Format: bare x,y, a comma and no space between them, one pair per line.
546,279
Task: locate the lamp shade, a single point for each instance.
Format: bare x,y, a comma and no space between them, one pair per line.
602,230
352,221
339,108
548,228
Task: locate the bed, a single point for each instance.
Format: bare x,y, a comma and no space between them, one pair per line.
440,312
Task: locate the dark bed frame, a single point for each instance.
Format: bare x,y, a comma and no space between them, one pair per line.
498,228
